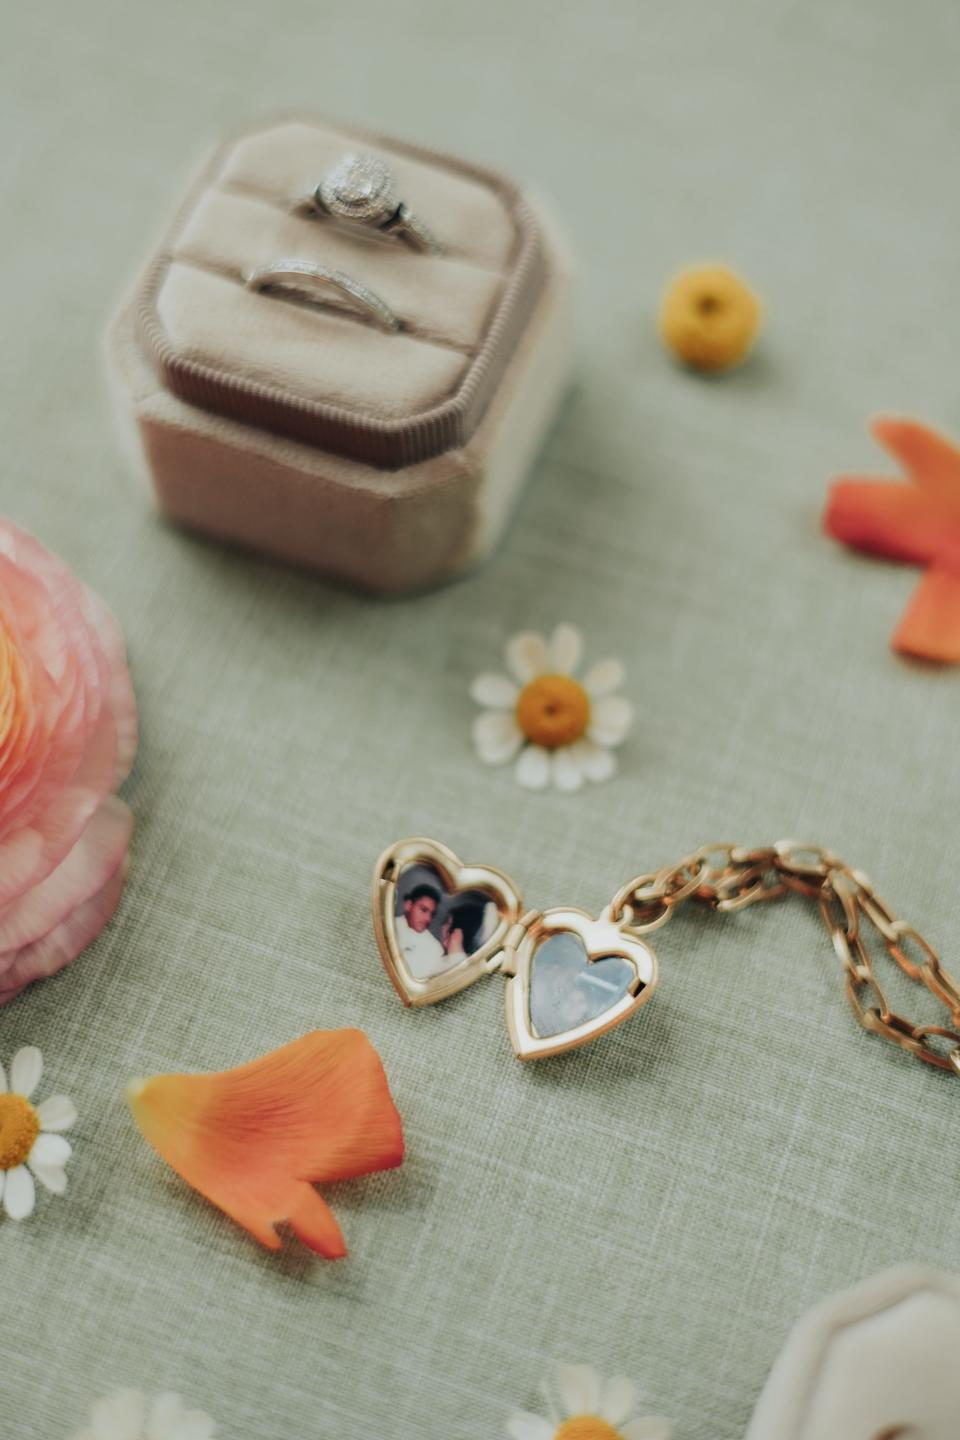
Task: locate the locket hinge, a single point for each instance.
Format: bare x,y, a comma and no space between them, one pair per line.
505,963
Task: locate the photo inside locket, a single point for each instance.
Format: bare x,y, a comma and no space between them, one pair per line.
438,928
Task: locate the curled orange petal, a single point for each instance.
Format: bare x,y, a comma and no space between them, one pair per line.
253,1140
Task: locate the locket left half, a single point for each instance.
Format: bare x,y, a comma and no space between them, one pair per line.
440,924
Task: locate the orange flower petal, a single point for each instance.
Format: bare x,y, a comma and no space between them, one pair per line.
251,1140
884,517
928,457
930,625
316,1224
917,522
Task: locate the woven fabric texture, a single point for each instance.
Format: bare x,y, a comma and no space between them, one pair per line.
665,1203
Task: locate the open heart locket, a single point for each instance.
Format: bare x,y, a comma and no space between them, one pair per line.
441,925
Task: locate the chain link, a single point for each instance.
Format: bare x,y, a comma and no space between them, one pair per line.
729,878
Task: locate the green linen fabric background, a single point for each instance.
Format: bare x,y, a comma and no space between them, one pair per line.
666,1203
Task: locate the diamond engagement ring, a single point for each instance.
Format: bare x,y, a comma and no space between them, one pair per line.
360,189
330,287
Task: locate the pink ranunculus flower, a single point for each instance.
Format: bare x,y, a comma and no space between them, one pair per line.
68,735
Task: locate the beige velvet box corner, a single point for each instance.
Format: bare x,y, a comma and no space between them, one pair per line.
385,530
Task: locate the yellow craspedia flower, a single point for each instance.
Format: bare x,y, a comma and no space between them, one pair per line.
709,317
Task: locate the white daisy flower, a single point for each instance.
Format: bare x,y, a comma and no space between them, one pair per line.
29,1136
554,727
128,1415
581,1405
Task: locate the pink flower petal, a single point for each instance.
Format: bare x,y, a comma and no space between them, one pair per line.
85,871
122,700
76,715
45,957
62,806
68,733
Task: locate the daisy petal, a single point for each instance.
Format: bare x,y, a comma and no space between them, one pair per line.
26,1070
647,1427
57,1113
553,1414
51,1177
19,1196
526,656
619,1400
612,718
567,773
566,648
51,1150
579,1387
495,691
119,1416
497,737
597,762
166,1412
603,678
195,1425
533,768
525,1426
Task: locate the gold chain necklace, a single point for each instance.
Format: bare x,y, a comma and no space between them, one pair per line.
441,925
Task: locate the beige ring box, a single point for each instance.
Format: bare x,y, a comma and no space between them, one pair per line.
391,461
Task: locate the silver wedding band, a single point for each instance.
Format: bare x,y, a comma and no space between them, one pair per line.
329,287
360,190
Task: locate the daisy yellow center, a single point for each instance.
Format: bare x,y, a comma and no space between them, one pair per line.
553,710
586,1427
19,1127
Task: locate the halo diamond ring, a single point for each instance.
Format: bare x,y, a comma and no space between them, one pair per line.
360,189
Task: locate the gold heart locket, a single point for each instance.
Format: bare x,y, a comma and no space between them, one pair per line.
441,925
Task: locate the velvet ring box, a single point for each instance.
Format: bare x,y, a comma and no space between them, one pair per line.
389,460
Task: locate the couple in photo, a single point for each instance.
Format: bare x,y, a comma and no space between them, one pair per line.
424,953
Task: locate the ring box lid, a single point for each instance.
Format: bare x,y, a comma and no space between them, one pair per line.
317,374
